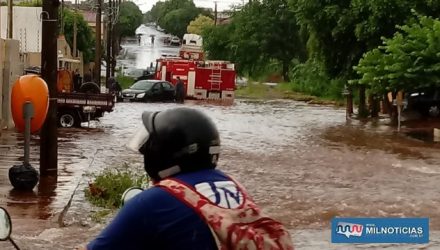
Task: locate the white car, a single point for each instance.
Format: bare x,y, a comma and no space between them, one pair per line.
175,41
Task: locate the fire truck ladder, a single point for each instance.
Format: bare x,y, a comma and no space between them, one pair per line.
216,77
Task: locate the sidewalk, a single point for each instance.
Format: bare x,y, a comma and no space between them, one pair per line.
47,206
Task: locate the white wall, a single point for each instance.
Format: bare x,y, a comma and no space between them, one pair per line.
26,25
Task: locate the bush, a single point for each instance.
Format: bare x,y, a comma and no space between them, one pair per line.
107,188
311,78
125,81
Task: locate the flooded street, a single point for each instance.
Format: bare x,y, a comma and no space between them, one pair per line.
145,51
304,164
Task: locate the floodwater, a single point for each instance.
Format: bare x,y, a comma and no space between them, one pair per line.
303,164
141,54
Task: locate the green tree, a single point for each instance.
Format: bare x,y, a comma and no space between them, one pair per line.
170,5
260,34
176,21
330,25
341,31
217,42
85,35
129,19
281,37
174,15
408,61
157,12
197,25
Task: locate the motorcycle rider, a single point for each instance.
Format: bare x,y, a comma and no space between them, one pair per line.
182,145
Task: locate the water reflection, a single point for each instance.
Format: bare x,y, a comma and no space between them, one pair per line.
141,55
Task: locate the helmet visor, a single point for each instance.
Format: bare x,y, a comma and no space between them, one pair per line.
139,139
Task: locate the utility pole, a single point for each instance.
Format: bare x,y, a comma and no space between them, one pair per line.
10,19
75,31
98,54
109,42
115,42
49,70
62,18
215,11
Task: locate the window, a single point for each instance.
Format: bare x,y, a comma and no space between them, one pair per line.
142,85
156,87
167,86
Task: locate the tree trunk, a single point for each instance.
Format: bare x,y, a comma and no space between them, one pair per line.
393,113
286,71
363,112
373,105
386,105
349,101
390,109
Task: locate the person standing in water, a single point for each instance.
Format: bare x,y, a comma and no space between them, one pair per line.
180,91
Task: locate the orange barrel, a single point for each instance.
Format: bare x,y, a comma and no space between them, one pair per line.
34,89
64,81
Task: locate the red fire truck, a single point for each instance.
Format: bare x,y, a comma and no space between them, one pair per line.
203,79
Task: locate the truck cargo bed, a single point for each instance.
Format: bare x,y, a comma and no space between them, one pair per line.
104,102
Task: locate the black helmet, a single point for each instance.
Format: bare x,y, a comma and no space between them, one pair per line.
177,140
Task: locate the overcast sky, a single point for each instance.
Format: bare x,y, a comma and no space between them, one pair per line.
146,5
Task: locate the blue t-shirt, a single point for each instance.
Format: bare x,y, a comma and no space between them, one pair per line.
155,219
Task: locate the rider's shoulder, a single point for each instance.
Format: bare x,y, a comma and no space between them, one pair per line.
206,175
153,192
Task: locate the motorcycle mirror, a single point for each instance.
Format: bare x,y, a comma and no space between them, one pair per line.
5,225
130,193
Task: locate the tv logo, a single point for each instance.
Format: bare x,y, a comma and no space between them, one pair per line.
349,229
380,230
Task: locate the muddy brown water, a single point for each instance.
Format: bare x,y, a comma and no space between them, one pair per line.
303,164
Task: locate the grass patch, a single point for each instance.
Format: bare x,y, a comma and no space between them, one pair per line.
282,91
100,216
107,188
258,90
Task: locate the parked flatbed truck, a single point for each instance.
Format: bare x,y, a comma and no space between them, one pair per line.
76,107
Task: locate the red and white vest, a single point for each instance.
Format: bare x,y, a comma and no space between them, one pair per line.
244,227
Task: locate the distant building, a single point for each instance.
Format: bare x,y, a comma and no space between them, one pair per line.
224,17
90,18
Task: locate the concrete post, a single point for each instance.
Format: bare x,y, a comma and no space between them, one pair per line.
2,56
12,69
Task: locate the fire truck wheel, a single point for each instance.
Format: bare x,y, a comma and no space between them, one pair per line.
68,119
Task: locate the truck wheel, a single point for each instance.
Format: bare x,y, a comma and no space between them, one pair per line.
68,120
